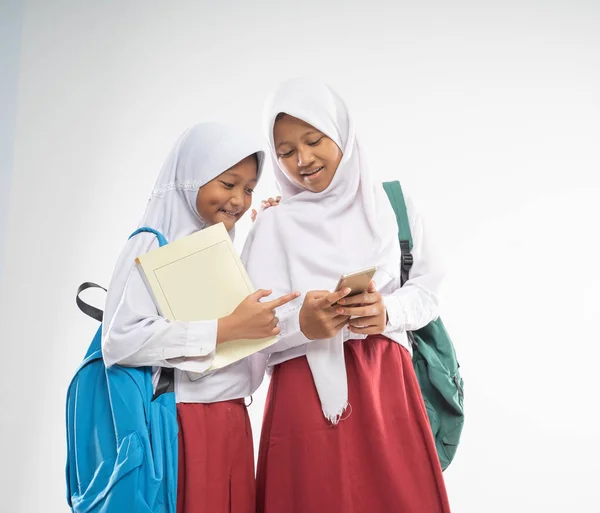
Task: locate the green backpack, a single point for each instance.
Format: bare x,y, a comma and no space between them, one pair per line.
434,357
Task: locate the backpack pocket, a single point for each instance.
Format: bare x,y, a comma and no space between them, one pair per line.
115,478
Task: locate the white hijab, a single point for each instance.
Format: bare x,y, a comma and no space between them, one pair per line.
310,239
201,153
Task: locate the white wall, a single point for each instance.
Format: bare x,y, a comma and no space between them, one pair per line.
487,111
11,20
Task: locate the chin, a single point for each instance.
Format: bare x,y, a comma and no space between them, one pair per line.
317,188
227,223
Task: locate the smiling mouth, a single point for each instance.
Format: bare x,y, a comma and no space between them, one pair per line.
312,173
233,215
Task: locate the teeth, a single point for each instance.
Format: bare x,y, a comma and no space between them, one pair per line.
313,172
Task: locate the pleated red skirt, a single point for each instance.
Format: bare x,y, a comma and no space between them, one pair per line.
216,458
381,458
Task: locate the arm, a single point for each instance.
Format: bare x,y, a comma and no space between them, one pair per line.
416,303
316,318
138,336
407,308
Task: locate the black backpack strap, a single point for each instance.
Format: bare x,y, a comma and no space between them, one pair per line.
396,197
89,310
166,382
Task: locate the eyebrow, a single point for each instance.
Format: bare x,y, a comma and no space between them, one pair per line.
235,175
308,132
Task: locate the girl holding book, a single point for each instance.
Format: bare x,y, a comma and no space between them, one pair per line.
208,177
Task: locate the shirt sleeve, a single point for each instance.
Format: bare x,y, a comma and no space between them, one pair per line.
415,305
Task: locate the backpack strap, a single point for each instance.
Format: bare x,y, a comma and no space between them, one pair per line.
87,309
92,311
166,380
161,238
394,192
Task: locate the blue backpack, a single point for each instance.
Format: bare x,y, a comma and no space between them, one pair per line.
121,438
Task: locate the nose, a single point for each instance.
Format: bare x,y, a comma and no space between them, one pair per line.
237,197
305,157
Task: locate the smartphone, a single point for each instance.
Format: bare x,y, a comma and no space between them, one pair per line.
357,281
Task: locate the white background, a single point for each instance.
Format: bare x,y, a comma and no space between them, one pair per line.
488,112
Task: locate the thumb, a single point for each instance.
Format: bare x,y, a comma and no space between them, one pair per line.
253,215
371,287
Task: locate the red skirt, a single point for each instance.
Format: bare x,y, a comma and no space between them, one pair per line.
381,458
216,458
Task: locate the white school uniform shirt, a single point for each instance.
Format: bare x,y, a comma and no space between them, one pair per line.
134,333
408,308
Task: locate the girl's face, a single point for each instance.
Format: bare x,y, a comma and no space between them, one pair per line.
227,197
308,156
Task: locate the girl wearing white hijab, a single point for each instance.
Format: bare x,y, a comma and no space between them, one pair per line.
208,177
345,427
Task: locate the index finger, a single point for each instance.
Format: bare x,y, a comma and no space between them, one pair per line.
280,301
333,297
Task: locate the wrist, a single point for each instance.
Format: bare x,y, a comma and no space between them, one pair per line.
302,324
226,329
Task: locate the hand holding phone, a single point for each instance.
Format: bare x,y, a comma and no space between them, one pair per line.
318,316
367,312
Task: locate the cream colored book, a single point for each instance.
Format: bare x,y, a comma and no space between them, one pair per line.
201,277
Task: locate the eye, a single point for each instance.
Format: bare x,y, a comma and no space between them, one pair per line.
249,191
228,185
286,155
314,143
